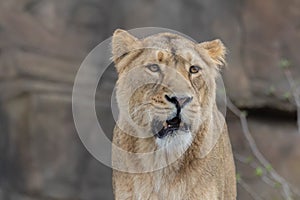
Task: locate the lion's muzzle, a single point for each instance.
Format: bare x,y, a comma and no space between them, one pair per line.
162,129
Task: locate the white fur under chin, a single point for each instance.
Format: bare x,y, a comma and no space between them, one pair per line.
175,144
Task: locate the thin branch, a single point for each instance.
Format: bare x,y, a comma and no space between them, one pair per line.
268,180
296,94
252,193
245,160
256,152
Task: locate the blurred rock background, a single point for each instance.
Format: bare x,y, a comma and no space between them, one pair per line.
43,42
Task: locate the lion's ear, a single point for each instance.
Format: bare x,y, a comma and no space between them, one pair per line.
122,43
216,50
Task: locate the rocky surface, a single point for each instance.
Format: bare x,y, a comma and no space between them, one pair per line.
43,42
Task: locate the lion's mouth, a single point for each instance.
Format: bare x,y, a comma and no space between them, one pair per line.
169,127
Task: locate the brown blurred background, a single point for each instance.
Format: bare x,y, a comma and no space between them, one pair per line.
43,42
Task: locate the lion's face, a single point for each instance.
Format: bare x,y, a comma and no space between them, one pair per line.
166,86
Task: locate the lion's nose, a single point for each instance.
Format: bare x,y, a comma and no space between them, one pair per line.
179,101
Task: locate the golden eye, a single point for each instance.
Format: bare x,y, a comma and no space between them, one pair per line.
195,69
153,67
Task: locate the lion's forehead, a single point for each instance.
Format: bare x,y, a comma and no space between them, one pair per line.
172,43
171,54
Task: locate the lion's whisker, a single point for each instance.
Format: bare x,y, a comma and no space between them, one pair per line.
139,107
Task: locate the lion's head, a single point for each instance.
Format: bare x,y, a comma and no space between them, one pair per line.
166,86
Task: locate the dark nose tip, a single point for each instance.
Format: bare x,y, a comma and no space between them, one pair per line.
179,101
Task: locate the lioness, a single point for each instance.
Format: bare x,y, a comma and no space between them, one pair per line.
176,138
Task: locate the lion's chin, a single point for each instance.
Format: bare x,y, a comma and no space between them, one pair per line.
175,144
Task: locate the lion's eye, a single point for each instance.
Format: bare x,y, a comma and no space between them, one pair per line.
195,69
153,67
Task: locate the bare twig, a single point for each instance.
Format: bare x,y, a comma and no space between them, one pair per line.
252,193
265,176
285,185
295,92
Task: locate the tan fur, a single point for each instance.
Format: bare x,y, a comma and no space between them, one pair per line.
204,169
